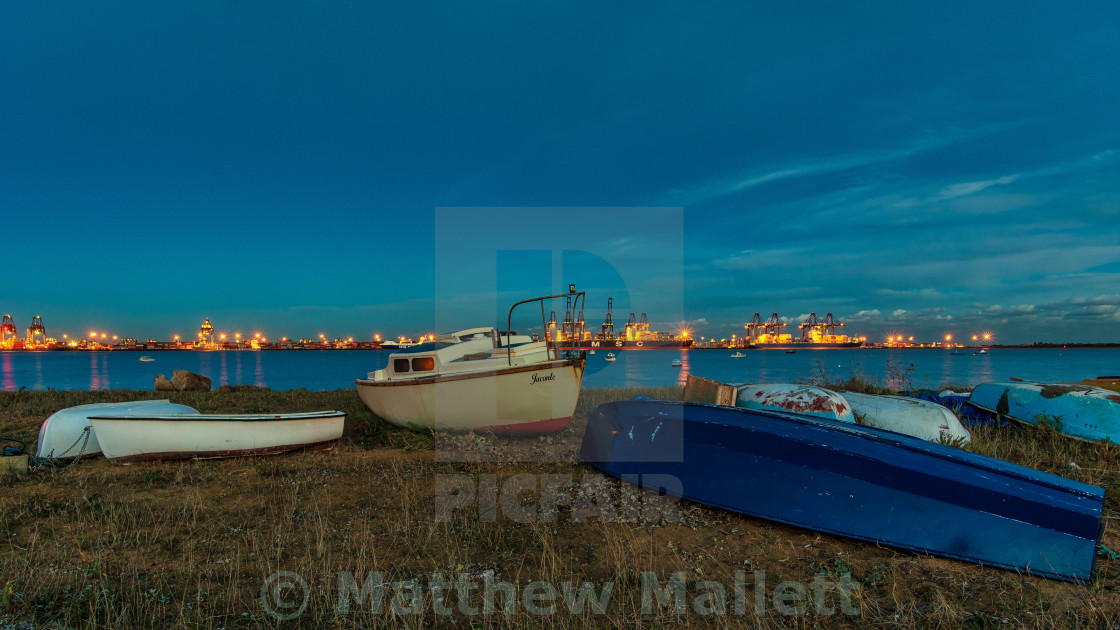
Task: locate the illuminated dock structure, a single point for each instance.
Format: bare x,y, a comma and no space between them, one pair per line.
36,333
206,333
8,333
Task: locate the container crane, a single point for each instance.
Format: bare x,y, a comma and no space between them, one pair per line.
810,324
753,327
8,332
36,333
830,323
608,323
773,326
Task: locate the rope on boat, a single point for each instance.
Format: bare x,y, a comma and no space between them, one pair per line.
50,460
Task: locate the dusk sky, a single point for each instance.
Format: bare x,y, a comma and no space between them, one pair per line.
352,168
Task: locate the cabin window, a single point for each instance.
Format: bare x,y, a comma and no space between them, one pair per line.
423,364
400,365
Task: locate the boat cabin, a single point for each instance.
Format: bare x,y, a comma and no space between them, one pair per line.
468,350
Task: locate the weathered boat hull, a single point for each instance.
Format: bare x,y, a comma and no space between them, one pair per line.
794,398
1082,411
533,398
1111,383
187,436
968,413
64,433
855,481
919,418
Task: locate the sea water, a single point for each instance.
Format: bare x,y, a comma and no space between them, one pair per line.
336,369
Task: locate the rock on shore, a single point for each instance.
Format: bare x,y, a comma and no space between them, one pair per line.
182,381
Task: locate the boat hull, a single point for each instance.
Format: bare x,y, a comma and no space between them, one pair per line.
1111,383
534,398
855,481
1085,412
188,436
919,418
63,433
794,398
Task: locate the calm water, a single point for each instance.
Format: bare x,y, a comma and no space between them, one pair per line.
327,369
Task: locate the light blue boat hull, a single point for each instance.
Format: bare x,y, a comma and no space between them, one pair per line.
1086,412
855,481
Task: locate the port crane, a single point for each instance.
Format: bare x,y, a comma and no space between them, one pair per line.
631,326
573,321
825,328
8,332
810,324
753,326
607,331
773,326
830,323
643,326
36,333
550,330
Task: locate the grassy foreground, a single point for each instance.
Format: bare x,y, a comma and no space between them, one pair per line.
190,544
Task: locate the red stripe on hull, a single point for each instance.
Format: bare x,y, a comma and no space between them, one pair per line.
552,425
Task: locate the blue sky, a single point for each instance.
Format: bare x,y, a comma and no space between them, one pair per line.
926,168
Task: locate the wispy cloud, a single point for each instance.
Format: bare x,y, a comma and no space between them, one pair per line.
971,188
711,190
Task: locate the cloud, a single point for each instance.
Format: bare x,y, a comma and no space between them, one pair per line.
716,188
971,188
750,259
695,325
864,316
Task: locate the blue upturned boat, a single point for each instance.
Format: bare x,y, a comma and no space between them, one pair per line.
855,481
1089,413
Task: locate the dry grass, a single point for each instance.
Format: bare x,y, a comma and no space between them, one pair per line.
189,544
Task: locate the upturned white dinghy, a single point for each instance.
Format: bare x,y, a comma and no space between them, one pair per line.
928,421
919,418
68,433
188,436
793,397
482,379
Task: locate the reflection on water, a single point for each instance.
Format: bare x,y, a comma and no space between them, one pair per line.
258,374
318,370
98,371
682,377
7,374
632,369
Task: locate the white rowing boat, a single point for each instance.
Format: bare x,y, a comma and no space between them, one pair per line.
68,433
194,435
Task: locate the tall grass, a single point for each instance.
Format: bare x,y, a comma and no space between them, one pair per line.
188,544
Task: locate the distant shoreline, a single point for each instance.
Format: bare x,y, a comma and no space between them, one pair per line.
1037,345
